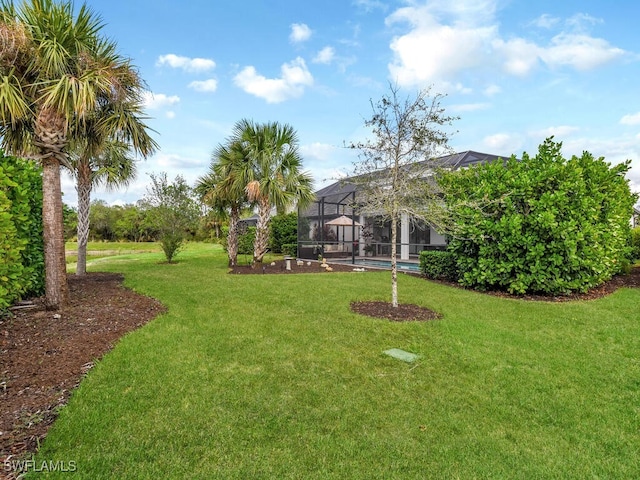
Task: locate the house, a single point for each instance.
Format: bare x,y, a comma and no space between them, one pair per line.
368,235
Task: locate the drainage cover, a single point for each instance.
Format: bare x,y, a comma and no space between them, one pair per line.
402,355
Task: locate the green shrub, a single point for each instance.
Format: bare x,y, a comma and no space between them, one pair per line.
542,225
21,244
283,230
11,247
172,210
439,265
171,244
224,235
246,241
290,249
635,244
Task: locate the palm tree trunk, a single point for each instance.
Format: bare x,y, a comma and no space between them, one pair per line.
56,288
232,238
394,263
83,187
262,231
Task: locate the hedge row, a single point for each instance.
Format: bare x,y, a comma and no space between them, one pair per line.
542,224
21,244
439,265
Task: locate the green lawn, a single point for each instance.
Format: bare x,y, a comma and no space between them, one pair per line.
269,376
99,250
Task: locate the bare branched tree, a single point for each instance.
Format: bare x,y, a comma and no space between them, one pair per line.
395,173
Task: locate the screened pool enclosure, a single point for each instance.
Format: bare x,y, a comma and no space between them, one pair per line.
333,227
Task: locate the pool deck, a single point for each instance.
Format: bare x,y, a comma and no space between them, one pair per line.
364,262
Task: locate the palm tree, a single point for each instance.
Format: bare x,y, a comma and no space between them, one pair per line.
56,73
114,168
100,157
223,190
273,178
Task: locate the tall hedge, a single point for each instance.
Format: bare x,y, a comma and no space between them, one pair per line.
283,230
544,224
21,244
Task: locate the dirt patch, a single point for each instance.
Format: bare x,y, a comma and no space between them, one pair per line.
402,313
44,355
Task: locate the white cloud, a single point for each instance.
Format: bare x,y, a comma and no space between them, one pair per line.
186,63
558,132
492,90
159,100
432,51
581,52
469,107
633,119
581,21
503,143
172,161
294,77
300,32
318,151
326,162
518,56
326,55
369,5
445,39
546,21
210,85
170,115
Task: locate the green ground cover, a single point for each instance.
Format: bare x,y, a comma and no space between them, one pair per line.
273,377
99,250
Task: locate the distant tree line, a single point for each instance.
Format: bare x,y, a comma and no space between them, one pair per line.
137,223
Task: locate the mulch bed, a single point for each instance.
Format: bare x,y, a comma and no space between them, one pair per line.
44,355
279,267
404,312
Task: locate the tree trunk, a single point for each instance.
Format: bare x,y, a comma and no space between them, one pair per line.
232,238
56,289
262,231
83,187
394,263
50,137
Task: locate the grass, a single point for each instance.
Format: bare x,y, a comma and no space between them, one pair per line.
100,250
274,377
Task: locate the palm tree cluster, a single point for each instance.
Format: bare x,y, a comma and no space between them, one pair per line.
67,98
258,166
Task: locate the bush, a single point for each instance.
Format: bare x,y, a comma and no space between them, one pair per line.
246,241
283,230
541,225
172,210
439,265
171,244
21,243
635,244
290,249
224,235
11,247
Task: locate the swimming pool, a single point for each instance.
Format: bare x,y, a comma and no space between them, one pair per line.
385,264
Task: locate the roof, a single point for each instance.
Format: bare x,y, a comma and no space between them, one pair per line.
454,161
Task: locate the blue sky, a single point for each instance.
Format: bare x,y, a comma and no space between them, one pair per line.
514,71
